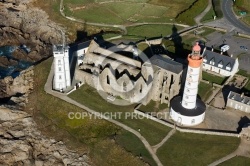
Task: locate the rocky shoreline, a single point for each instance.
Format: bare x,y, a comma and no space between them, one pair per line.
23,24
22,144
20,141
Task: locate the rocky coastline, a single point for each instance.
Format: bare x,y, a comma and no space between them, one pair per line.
20,141
23,24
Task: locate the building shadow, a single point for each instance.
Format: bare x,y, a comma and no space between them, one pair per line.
243,120
227,89
181,49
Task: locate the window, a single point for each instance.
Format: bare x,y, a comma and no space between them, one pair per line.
124,86
188,90
59,62
108,81
60,77
187,97
193,121
60,69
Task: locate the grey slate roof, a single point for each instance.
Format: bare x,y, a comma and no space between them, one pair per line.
218,58
166,64
239,98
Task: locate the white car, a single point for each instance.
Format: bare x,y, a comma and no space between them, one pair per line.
225,48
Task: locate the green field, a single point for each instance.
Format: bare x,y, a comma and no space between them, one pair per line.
194,149
205,90
243,5
188,15
246,74
239,161
152,131
209,16
153,106
130,11
151,30
213,78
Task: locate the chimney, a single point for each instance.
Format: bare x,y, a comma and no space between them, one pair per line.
212,48
231,55
242,95
221,53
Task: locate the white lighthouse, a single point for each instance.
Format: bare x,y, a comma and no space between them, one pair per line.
188,110
62,78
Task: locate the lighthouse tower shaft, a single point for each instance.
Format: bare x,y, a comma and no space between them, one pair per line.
192,80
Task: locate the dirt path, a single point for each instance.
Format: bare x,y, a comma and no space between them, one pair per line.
242,150
156,147
200,16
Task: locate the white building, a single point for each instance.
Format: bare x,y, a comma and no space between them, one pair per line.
81,50
221,64
61,78
239,102
188,110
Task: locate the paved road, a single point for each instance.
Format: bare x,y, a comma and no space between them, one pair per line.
48,89
200,16
230,16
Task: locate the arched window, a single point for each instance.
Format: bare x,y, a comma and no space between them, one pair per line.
141,89
108,81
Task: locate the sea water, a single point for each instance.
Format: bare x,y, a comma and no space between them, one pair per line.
13,70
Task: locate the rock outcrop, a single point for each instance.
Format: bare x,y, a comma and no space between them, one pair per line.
21,85
23,24
22,144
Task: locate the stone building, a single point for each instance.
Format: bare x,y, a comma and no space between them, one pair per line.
238,101
122,70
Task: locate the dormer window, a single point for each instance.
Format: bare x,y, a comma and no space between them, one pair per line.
220,64
212,61
228,67
205,59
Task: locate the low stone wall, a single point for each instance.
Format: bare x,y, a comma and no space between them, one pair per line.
187,130
216,28
244,35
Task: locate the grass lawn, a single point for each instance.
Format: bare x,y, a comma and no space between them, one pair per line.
213,78
205,90
152,131
52,9
127,11
187,16
195,149
153,106
243,5
151,30
94,136
246,74
239,160
209,16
